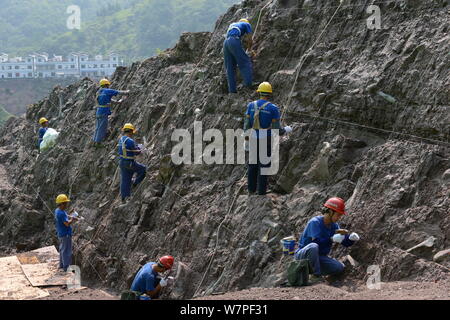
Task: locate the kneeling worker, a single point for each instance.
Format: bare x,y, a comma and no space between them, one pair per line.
148,281
320,233
128,166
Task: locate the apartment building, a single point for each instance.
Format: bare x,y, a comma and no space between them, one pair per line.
74,65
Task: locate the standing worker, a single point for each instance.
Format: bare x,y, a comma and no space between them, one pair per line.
128,166
320,233
63,227
235,55
104,97
261,114
42,130
148,281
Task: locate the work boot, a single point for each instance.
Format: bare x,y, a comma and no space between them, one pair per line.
314,279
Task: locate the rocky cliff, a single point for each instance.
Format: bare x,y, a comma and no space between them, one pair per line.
371,125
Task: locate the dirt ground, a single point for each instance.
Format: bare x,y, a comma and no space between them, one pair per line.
321,291
58,293
389,291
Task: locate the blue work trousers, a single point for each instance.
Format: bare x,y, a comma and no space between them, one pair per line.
127,170
255,179
65,252
234,55
322,265
101,128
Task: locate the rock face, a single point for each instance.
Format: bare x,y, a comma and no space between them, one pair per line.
396,185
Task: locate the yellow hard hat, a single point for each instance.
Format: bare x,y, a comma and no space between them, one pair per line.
62,198
104,82
42,120
244,20
129,126
264,87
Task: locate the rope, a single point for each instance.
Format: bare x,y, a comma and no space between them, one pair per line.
217,237
259,18
302,60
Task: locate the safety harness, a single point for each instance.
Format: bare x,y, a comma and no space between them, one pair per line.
124,154
231,27
256,123
98,96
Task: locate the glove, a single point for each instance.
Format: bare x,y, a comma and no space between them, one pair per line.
288,129
354,236
163,283
75,215
338,238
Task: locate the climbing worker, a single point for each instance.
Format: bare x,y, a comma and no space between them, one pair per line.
261,116
319,235
63,227
104,98
235,55
148,281
128,166
42,130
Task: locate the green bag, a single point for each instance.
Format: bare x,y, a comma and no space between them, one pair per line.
298,272
130,295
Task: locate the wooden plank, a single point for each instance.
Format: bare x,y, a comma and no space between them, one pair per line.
42,255
13,283
45,274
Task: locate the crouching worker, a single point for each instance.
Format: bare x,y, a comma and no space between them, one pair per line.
63,227
148,283
128,166
316,240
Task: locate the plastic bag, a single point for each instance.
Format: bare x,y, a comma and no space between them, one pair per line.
49,139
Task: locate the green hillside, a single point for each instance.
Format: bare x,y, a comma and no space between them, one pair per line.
4,115
135,28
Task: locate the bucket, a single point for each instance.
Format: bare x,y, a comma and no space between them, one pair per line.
288,244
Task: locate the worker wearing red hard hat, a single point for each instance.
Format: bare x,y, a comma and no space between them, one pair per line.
148,281
319,235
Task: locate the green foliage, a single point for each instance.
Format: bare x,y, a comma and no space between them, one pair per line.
134,28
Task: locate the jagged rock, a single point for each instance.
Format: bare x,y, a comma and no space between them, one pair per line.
395,185
442,256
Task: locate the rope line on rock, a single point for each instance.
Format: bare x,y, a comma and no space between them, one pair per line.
302,60
368,127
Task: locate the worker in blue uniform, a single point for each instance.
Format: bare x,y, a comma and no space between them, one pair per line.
261,117
319,235
128,165
104,98
42,130
235,55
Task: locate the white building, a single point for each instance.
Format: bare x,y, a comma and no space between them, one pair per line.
74,65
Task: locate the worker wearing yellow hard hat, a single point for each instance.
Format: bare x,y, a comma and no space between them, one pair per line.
128,150
63,223
261,117
235,55
42,130
104,99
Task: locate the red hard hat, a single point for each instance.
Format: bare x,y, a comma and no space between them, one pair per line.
167,261
336,204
